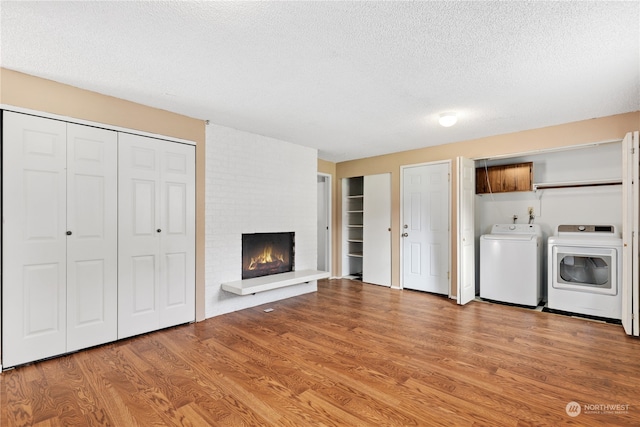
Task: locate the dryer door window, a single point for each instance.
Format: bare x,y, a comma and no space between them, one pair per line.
586,270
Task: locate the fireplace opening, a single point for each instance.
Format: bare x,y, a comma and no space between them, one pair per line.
264,254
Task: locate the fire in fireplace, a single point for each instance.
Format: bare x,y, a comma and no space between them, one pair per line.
264,254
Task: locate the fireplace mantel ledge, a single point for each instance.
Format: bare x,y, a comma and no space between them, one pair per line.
274,281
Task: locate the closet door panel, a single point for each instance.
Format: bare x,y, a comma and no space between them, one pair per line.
143,214
176,275
143,282
92,246
376,257
34,240
177,242
176,197
138,246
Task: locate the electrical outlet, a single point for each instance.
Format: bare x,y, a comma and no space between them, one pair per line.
530,210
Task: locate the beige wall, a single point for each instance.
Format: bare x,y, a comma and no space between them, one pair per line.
583,132
25,91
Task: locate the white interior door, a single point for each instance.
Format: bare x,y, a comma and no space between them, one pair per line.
176,233
376,234
631,228
34,239
425,241
92,244
466,236
139,239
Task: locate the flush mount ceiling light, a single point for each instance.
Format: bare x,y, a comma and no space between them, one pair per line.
448,119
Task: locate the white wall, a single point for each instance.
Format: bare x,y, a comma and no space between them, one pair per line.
255,184
583,205
552,207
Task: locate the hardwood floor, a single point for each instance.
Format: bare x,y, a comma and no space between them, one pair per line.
351,354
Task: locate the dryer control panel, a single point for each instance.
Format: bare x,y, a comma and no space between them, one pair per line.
600,229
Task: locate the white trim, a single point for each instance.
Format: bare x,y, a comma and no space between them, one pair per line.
547,150
630,228
449,234
402,168
330,211
459,184
93,124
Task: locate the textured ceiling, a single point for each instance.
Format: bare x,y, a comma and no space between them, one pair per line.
352,79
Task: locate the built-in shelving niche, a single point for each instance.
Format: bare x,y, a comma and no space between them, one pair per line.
354,225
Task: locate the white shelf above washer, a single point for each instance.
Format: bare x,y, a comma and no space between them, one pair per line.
576,184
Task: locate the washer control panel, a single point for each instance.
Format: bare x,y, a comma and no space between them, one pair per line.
515,229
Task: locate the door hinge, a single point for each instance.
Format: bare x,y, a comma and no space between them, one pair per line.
448,275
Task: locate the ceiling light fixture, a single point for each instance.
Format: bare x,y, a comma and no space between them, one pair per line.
448,119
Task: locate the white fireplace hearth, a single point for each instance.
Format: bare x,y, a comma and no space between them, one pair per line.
273,281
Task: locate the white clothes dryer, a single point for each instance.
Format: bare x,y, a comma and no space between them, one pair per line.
584,270
510,264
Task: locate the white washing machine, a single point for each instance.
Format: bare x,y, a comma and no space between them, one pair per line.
585,267
510,264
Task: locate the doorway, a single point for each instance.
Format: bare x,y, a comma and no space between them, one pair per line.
425,234
324,222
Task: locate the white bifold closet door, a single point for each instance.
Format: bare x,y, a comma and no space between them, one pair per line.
156,234
59,289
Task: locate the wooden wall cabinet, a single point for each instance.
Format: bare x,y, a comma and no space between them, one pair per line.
504,178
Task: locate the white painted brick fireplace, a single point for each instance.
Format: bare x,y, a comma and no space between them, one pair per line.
255,184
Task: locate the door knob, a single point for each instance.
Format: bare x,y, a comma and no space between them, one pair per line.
405,234
69,233
159,230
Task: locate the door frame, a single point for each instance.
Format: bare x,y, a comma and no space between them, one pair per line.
329,207
68,119
401,246
630,228
463,267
